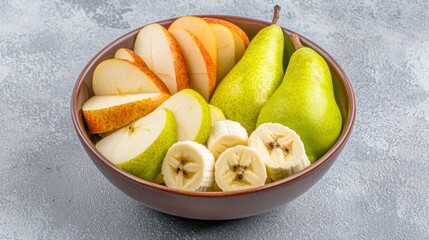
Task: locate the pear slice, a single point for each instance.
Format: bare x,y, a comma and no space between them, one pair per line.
106,113
201,69
140,147
127,54
192,115
240,37
225,50
119,77
216,114
163,56
201,30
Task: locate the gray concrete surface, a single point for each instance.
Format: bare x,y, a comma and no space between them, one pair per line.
378,188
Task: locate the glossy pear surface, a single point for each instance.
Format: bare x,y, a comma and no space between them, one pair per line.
305,102
244,91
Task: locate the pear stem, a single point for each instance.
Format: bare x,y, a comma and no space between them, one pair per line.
295,40
276,14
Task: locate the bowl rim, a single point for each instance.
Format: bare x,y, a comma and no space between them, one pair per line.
342,139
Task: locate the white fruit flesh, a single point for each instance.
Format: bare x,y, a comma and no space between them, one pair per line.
281,149
226,50
188,113
189,166
156,49
202,71
226,134
118,76
100,102
128,142
238,168
240,47
202,30
241,39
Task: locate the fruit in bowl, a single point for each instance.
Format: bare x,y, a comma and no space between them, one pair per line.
208,147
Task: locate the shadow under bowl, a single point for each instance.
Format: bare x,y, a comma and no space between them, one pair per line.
214,205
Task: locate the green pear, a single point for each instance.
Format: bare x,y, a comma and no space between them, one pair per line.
244,91
305,102
140,147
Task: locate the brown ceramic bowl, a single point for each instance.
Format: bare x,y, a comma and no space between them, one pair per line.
214,205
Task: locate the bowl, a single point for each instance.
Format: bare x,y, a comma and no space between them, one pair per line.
214,205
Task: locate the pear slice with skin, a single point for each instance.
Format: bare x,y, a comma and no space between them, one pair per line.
225,50
201,30
240,37
127,54
140,147
201,69
120,77
158,48
192,115
216,114
106,113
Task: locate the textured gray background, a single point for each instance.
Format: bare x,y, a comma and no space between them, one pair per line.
378,188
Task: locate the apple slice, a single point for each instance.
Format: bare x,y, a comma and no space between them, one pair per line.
163,56
192,115
240,37
106,113
119,76
201,69
127,54
140,147
201,30
225,50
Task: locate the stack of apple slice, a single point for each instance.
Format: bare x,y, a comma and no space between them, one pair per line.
150,98
194,52
125,90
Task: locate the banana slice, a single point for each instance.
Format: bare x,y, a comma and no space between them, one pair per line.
225,134
189,166
238,168
281,149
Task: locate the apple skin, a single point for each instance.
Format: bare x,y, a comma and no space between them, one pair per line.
201,30
114,117
148,164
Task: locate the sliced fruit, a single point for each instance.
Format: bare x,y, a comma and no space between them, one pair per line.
159,179
238,168
119,77
240,37
225,50
140,147
226,134
106,113
163,56
127,54
201,30
190,166
192,115
281,149
201,69
216,113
